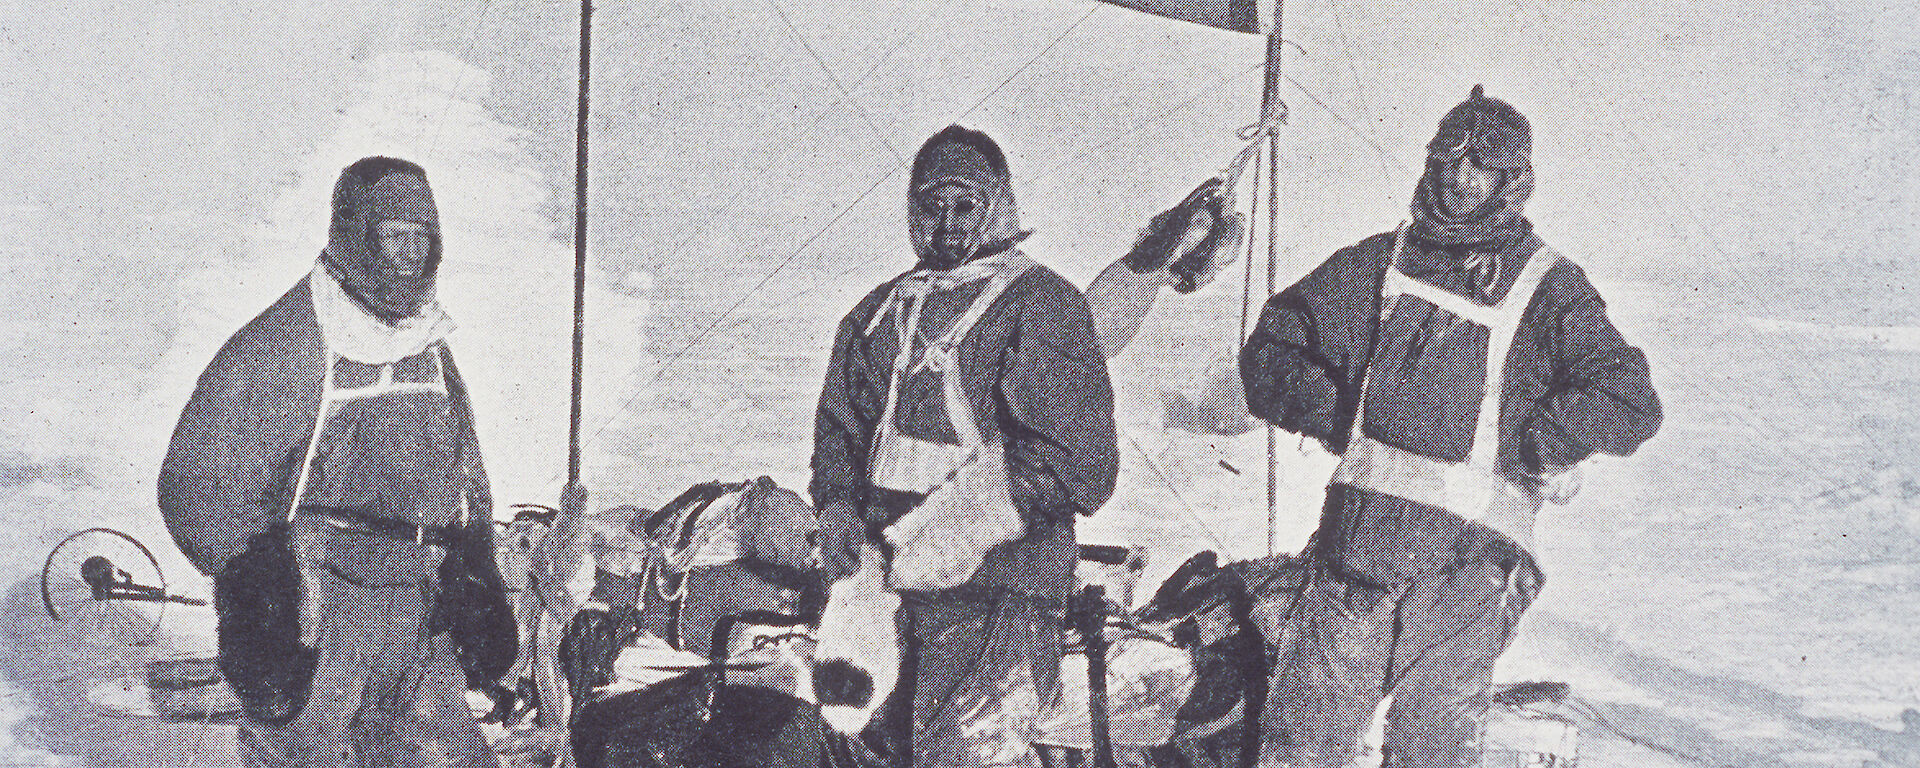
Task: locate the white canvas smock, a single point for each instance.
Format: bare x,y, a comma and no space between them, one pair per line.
1473,489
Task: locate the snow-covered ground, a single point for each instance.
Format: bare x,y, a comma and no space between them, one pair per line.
1741,592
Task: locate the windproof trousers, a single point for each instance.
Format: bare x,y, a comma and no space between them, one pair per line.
966,696
385,693
1429,643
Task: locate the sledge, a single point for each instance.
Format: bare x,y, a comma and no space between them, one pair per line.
1177,682
1182,680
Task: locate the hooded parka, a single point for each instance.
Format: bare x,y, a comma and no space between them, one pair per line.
1458,365
325,473
1033,381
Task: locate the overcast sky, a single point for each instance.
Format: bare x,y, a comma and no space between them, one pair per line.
1749,133
749,151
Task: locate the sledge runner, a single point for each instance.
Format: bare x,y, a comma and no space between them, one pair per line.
1461,368
326,475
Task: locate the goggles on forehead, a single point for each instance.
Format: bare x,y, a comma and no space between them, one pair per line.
1472,132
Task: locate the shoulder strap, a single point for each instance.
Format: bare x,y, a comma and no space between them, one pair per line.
1500,336
959,410
319,423
1016,267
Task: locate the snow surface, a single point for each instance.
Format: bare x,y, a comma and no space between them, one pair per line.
1740,592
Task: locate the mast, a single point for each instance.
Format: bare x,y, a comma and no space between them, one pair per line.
562,550
579,249
1273,112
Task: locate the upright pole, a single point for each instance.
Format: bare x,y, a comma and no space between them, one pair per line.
579,248
562,551
1271,108
1272,113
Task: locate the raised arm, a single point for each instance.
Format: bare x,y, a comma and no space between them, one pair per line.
1184,247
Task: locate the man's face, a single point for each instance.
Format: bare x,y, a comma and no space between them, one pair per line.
404,247
954,215
1465,185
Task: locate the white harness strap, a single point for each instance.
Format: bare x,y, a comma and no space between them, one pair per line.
332,396
904,463
1473,489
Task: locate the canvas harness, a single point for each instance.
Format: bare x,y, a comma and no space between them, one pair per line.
905,463
1474,489
333,397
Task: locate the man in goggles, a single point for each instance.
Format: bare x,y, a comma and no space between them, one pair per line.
1461,368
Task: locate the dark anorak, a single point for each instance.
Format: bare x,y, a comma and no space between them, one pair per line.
1573,387
1033,372
226,487
1402,598
977,659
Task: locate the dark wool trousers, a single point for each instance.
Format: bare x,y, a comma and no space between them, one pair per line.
386,694
1429,643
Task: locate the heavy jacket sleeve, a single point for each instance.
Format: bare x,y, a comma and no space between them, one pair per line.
1600,398
229,467
1062,455
473,596
843,422
1303,362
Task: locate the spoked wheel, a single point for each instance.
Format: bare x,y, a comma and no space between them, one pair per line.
107,586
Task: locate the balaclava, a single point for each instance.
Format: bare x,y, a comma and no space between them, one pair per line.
968,158
1496,136
372,190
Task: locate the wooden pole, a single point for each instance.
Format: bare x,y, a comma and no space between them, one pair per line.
579,248
1273,112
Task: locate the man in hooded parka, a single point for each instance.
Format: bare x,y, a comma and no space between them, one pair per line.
1461,368
326,475
976,344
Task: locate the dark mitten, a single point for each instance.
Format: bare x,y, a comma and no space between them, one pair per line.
841,682
1197,267
256,600
473,608
1156,247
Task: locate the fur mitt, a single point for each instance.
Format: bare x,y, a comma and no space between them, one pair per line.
944,540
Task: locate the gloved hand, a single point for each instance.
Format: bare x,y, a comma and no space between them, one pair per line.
1163,238
840,536
1554,457
1210,252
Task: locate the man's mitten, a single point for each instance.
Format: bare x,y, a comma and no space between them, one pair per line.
1159,245
943,541
1197,265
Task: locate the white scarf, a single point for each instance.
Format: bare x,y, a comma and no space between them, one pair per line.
919,283
355,334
